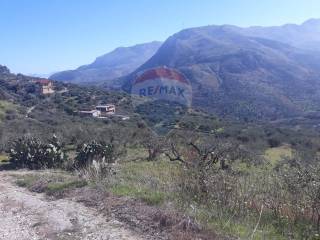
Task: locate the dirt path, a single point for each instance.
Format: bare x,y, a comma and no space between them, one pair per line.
30,109
29,216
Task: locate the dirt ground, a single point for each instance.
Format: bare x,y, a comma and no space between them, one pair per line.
87,213
31,216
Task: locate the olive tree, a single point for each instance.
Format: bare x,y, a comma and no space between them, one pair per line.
200,155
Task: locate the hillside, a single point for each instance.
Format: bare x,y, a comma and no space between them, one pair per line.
305,36
25,112
241,76
150,169
110,66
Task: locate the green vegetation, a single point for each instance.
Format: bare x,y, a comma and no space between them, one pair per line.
234,199
161,173
146,195
95,151
223,187
8,110
33,154
145,180
230,176
275,155
26,181
57,188
53,184
6,105
3,158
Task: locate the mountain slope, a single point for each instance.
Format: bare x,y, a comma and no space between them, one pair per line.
306,35
242,76
110,66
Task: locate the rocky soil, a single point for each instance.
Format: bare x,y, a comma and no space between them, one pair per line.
30,216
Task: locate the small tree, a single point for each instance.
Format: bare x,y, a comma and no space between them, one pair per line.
154,146
201,155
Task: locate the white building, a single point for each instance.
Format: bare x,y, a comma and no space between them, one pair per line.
91,113
107,109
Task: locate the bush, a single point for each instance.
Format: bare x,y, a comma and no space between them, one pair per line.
302,184
95,151
274,142
33,154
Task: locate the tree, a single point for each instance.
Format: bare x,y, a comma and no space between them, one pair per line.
201,154
154,146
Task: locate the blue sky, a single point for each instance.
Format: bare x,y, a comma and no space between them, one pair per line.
44,36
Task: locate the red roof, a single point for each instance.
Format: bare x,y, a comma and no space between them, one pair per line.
43,81
161,72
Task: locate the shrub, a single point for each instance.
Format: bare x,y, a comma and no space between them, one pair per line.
302,184
33,154
95,151
274,142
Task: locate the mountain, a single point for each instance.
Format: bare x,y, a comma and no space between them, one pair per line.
110,66
247,73
306,35
40,75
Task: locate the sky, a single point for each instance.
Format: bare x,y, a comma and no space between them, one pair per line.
45,36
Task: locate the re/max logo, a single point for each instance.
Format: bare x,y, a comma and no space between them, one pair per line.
162,90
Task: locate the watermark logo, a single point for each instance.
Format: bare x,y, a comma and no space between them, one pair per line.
163,83
164,88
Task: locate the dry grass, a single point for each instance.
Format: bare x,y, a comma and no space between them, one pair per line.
274,155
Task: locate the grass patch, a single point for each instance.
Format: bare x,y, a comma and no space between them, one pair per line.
154,183
154,175
239,227
152,197
134,153
274,155
53,184
3,158
151,182
53,189
146,195
4,106
26,181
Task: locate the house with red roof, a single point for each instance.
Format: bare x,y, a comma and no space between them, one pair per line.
46,86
